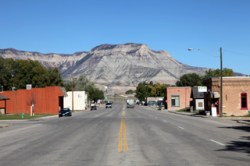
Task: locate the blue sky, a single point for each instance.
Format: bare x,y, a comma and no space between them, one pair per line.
68,26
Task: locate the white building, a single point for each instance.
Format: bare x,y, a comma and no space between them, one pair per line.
79,100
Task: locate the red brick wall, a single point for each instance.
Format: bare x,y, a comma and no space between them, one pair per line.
46,100
233,87
185,97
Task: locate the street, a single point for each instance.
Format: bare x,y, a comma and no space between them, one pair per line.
139,136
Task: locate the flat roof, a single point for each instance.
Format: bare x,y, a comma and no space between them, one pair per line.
179,87
234,77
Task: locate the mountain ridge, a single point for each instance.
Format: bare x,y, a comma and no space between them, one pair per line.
118,66
61,61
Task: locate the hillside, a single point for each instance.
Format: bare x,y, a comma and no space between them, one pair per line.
119,67
61,61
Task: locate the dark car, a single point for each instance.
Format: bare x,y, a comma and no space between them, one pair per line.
109,105
65,112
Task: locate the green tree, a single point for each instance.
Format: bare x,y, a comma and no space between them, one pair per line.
191,79
129,91
18,73
38,74
82,83
6,70
216,73
54,77
161,89
141,91
144,90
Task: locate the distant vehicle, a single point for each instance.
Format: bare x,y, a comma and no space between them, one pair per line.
160,105
65,112
109,105
152,103
130,103
93,107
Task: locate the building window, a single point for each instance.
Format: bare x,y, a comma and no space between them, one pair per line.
200,104
175,101
244,101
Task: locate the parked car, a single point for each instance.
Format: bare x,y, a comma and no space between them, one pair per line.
152,103
93,107
109,105
65,112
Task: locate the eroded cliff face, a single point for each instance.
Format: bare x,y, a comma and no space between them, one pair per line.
61,61
121,65
129,64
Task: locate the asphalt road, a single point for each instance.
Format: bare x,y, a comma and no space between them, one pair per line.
127,137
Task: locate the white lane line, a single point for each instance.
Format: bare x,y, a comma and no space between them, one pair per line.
180,127
219,143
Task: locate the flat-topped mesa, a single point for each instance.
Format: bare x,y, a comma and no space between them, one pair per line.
129,48
114,65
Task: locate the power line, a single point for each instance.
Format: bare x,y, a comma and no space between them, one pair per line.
237,52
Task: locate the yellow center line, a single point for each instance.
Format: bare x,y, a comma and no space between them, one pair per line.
123,114
123,142
120,137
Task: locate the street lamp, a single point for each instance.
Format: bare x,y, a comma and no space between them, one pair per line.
221,80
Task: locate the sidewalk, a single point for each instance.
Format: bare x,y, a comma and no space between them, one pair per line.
242,120
7,123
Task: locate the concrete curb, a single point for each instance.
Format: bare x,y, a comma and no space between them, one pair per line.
186,114
45,117
243,122
204,116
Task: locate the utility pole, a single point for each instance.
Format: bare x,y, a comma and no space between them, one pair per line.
221,81
73,94
221,84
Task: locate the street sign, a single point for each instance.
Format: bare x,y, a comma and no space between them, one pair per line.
202,89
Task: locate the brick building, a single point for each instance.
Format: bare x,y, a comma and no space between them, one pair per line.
235,95
178,98
37,100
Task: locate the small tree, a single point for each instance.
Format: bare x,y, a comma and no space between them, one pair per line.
191,79
144,90
141,91
82,83
216,73
129,91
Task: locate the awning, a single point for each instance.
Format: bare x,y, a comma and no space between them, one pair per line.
216,95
